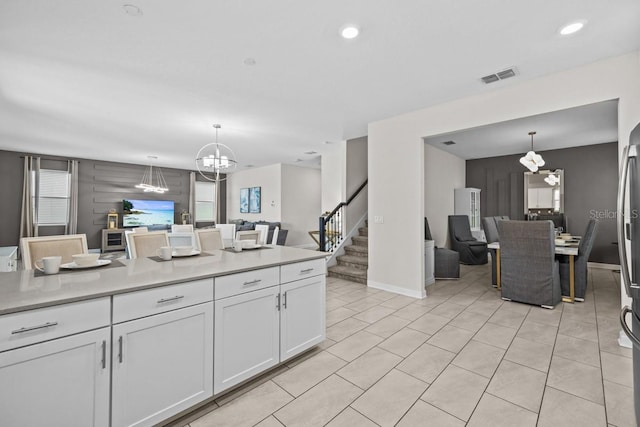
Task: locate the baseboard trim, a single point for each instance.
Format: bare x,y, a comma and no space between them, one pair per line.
603,266
397,290
623,340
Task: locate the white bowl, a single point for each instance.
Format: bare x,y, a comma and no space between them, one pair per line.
248,244
84,260
182,250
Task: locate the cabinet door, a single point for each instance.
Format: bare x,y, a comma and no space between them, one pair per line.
62,382
246,336
162,365
302,318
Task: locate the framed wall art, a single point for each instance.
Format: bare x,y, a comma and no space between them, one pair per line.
244,200
254,200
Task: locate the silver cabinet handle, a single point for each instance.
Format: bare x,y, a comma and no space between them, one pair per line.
163,300
33,328
629,152
278,302
252,282
120,355
104,354
625,327
306,270
284,300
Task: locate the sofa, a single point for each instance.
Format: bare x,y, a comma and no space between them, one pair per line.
243,225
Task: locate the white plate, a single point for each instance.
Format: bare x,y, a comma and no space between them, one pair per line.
192,253
74,266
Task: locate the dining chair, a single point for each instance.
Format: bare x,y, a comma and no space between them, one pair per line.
528,268
274,237
248,235
147,244
182,228
471,250
183,239
228,233
490,227
580,263
209,239
263,229
35,248
446,262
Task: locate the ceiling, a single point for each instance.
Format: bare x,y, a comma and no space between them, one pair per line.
573,127
83,78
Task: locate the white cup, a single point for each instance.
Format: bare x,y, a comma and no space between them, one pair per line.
164,253
50,264
237,245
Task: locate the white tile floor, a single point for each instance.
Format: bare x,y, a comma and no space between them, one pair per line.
460,357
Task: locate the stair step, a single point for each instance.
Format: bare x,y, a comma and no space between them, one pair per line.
360,262
347,273
364,231
361,251
360,240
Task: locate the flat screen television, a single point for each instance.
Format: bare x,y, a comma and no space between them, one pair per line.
144,213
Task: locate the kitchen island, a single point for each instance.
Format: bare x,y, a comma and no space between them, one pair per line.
139,341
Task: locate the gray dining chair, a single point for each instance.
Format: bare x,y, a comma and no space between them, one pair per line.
529,272
580,263
446,262
490,227
471,250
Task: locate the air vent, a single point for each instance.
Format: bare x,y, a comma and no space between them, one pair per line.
449,143
500,75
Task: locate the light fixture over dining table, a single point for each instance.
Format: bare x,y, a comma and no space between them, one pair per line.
531,160
215,159
148,184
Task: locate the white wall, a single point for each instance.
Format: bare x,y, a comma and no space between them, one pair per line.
398,193
356,173
301,194
269,179
444,172
333,175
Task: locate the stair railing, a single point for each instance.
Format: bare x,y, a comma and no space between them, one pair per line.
331,224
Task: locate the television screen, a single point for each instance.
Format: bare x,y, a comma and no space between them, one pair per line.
140,213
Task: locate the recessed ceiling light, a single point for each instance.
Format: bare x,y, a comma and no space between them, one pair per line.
349,32
572,28
132,9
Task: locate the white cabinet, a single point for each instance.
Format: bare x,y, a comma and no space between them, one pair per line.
260,323
246,336
467,202
429,255
62,382
302,315
162,363
540,198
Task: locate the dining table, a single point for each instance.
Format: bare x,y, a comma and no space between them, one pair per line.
569,249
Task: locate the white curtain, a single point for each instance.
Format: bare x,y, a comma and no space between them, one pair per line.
72,223
28,227
192,197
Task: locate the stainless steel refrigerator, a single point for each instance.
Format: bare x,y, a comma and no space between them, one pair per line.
629,229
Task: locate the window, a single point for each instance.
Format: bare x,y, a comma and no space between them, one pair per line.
205,203
54,194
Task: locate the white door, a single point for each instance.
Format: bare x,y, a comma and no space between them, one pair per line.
246,336
162,365
63,382
302,318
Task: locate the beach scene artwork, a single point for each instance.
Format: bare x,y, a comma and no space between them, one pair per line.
138,213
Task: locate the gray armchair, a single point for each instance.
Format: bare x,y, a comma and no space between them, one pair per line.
446,262
580,263
490,227
529,270
471,250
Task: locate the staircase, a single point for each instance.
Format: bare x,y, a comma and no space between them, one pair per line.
353,265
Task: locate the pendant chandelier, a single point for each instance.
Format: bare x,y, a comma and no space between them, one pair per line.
531,160
147,183
552,180
215,159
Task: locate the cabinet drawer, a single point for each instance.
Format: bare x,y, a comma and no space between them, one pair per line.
236,284
33,326
139,304
300,270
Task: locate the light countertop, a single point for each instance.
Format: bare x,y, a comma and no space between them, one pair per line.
21,290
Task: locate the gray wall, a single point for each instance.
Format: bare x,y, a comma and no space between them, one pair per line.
101,186
591,181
